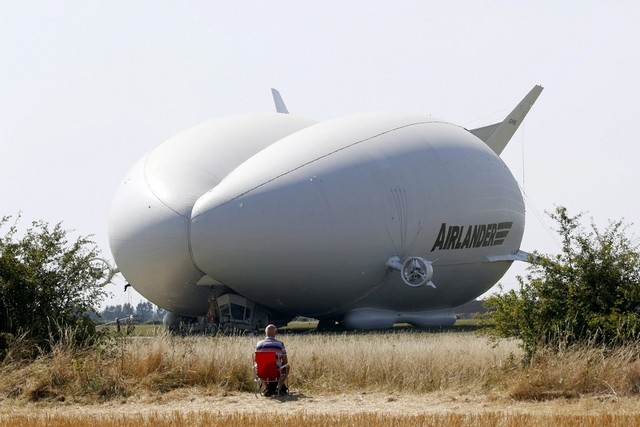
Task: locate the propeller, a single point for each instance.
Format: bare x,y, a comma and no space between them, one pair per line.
108,270
415,271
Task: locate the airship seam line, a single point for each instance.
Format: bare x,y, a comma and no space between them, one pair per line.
324,156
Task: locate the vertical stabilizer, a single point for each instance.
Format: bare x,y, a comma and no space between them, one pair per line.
277,99
498,135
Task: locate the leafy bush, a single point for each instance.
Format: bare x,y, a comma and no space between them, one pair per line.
46,285
589,293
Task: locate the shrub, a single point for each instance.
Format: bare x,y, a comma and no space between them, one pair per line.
47,285
589,293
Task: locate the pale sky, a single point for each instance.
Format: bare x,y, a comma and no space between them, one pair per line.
88,87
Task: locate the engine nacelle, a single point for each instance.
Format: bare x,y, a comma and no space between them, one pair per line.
106,268
415,271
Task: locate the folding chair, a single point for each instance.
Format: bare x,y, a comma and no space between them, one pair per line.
266,371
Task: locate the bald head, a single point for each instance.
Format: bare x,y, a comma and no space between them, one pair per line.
270,331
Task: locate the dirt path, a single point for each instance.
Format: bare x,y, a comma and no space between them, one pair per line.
387,403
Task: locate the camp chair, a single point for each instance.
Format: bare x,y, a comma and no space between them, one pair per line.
266,371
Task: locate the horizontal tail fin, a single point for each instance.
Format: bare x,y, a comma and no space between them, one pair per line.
518,256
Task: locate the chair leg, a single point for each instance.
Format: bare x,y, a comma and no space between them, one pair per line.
281,382
271,388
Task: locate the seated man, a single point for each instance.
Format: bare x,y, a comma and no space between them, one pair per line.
270,343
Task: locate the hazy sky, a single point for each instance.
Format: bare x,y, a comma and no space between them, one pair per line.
88,87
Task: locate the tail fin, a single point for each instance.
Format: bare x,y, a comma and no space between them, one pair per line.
498,135
277,99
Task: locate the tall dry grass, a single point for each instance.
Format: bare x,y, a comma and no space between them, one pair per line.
197,419
404,361
412,362
580,370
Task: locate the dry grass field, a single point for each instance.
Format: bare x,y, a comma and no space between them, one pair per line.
376,379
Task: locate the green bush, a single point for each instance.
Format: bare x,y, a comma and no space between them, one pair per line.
589,293
47,285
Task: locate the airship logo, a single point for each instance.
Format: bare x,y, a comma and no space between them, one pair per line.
471,236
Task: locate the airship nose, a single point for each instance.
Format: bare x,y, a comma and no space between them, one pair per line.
231,227
150,216
259,243
269,226
149,243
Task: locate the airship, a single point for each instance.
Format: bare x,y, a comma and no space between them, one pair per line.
361,221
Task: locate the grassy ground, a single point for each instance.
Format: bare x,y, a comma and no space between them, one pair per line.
364,419
152,330
411,371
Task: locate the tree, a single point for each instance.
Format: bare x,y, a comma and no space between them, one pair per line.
589,293
47,285
159,313
144,311
109,313
127,310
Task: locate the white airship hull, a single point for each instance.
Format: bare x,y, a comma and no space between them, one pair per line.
302,218
306,225
150,216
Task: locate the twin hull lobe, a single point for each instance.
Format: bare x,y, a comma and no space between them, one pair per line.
302,217
305,225
150,216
